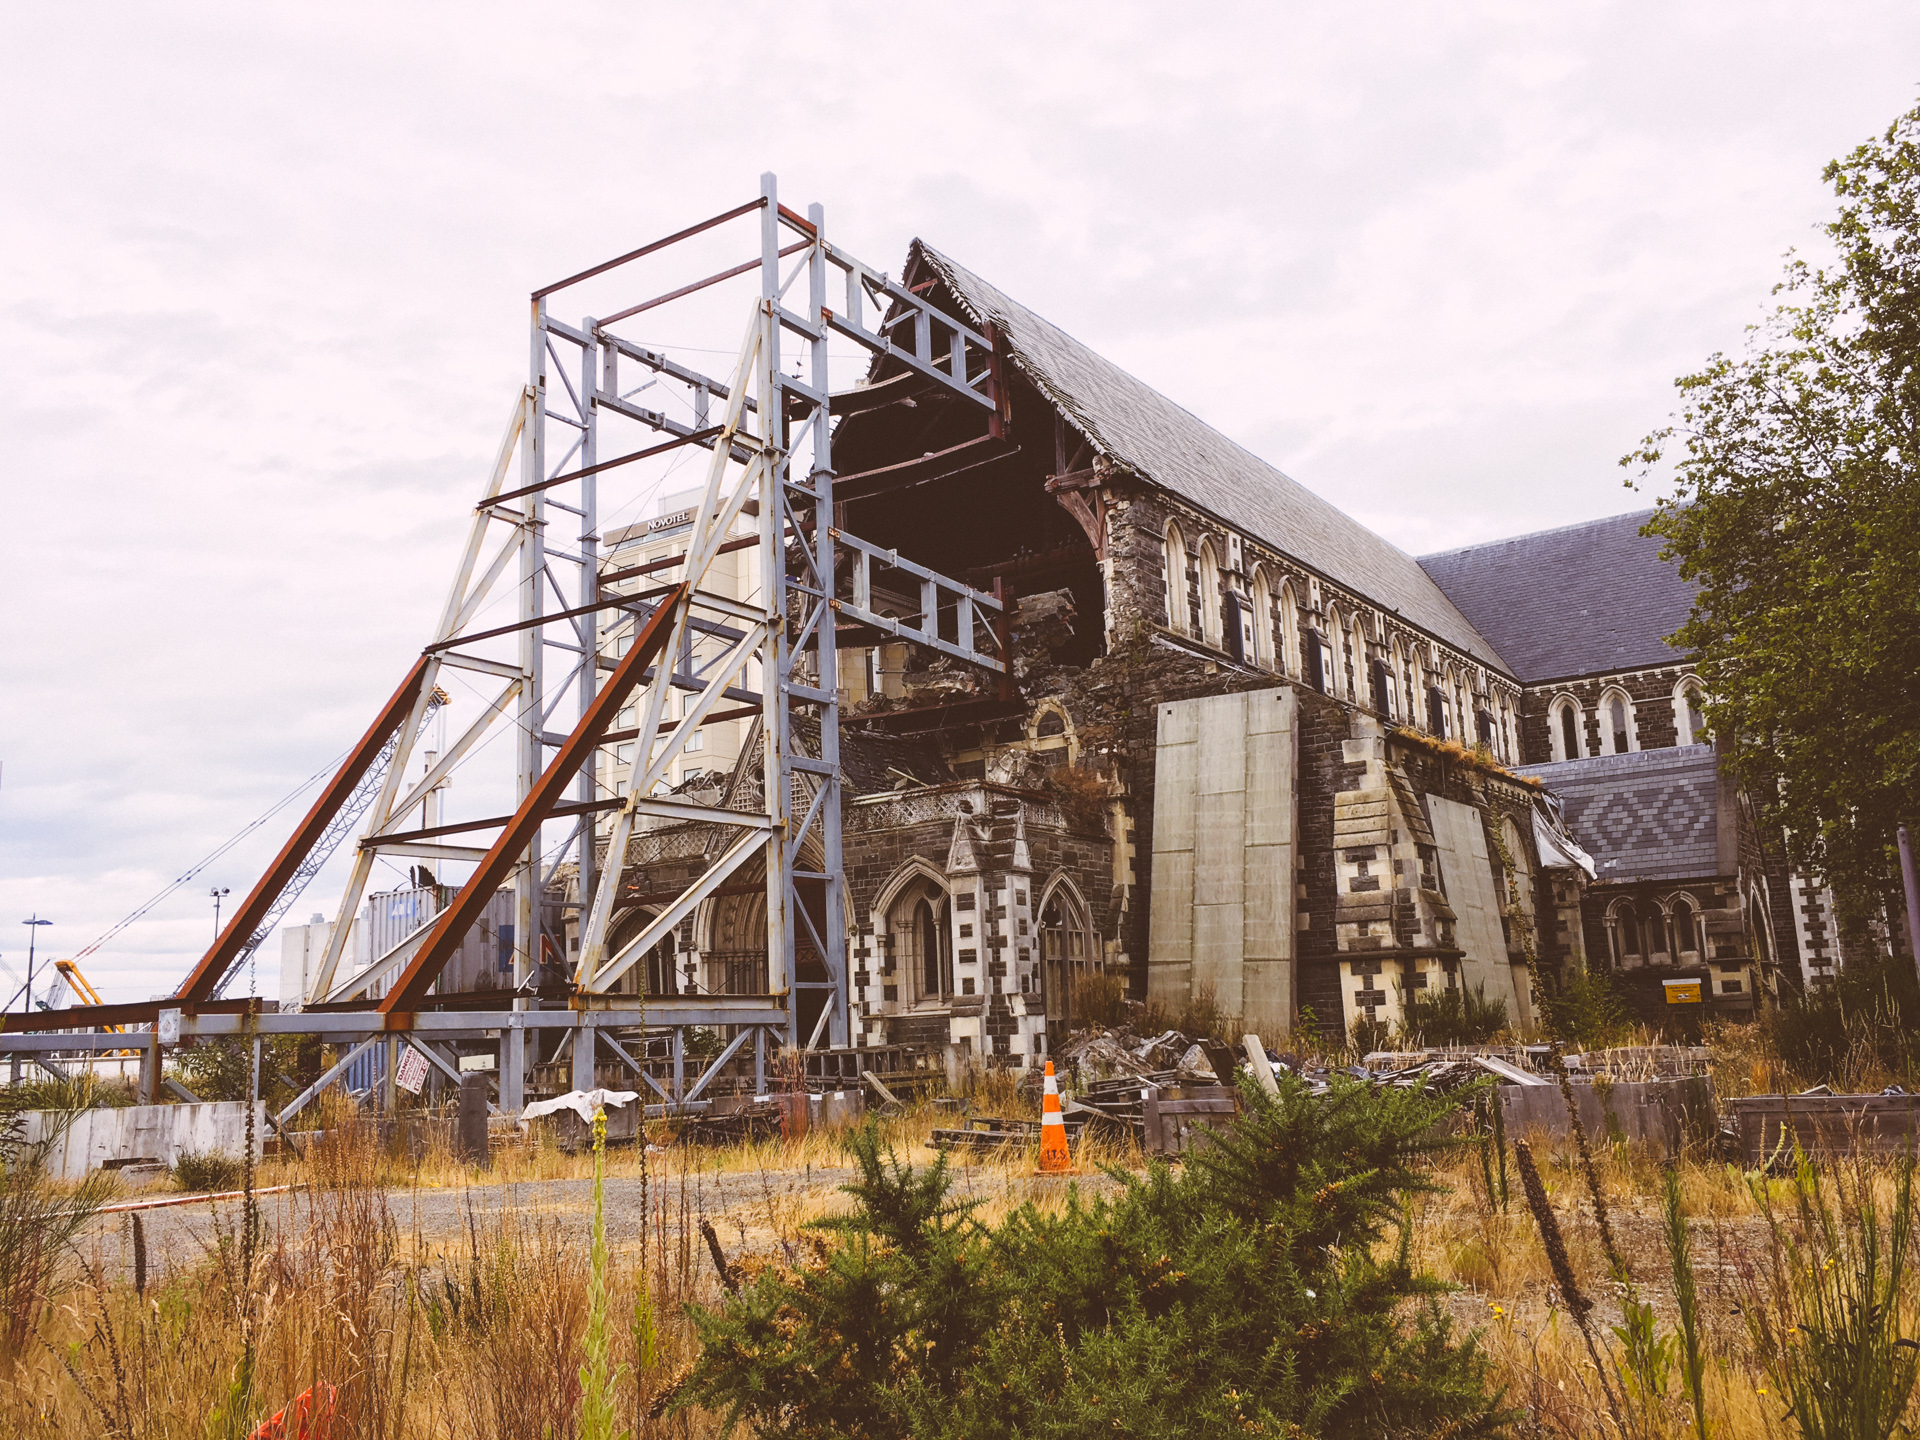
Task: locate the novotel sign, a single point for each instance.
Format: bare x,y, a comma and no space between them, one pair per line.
670,522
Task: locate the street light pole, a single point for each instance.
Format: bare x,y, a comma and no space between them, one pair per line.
33,934
217,892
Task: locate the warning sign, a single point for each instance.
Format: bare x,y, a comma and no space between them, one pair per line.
1682,992
412,1071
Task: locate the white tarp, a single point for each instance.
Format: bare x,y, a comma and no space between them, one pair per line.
581,1102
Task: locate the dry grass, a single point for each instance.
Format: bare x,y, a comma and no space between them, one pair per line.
481,1335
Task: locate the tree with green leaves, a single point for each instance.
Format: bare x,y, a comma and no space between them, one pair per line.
1796,513
1261,1290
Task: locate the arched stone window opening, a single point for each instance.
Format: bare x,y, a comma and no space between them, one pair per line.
1210,599
1067,949
1689,719
1438,706
1289,630
917,938
1335,648
1564,729
1617,723
1623,930
1262,626
927,934
1175,562
1683,925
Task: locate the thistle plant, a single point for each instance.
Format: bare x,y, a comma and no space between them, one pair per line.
599,1378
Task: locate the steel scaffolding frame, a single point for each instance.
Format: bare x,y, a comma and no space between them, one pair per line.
772,655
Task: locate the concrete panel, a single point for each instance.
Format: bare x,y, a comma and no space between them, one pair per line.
1222,907
1268,903
1270,802
1170,926
1467,873
1222,745
1219,858
1179,724
1218,947
1269,711
1175,797
146,1132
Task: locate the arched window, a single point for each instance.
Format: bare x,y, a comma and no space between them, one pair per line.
1623,926
1336,651
1683,925
1397,693
1617,727
1289,630
1689,723
1262,627
1437,706
927,933
1209,594
916,935
1175,560
1563,729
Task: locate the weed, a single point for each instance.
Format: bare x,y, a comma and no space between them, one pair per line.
206,1172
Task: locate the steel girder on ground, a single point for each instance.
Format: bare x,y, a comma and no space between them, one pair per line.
769,462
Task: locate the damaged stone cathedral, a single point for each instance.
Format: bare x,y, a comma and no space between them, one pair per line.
1249,752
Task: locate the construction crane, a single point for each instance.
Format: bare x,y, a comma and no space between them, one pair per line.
83,991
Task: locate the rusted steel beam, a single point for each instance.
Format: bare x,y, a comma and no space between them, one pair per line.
936,465
247,917
698,437
135,1012
739,712
741,269
409,991
672,239
559,812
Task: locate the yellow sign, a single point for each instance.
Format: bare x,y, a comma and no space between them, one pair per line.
1682,992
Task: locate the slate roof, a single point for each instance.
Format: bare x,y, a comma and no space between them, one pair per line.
1649,815
1142,430
1589,599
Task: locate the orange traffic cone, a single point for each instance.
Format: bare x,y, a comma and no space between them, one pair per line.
1055,1159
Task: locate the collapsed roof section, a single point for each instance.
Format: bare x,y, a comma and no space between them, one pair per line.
1143,431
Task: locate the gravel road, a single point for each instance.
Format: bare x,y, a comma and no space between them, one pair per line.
748,1209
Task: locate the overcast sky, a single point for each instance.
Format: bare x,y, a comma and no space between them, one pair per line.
263,301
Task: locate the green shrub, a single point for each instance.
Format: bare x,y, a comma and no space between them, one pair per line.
1099,999
1247,1294
1452,1017
1862,1024
1589,1012
206,1171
